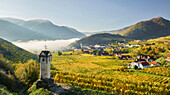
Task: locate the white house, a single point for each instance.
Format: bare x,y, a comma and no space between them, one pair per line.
168,57
139,64
96,46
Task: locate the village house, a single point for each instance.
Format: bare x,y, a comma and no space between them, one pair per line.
154,63
146,57
139,64
86,51
168,57
96,46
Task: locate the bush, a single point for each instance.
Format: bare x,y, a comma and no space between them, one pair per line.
40,91
59,53
34,91
28,73
7,80
4,91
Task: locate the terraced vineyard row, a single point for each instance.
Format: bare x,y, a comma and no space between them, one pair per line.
162,71
119,83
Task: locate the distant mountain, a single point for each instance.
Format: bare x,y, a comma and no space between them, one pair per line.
101,38
49,29
156,27
13,20
16,29
14,32
14,53
118,31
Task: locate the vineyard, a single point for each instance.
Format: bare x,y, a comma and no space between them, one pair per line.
86,64
120,82
107,74
162,71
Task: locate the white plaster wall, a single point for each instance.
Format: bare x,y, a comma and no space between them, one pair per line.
43,71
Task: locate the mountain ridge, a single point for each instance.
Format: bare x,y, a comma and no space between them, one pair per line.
7,32
43,30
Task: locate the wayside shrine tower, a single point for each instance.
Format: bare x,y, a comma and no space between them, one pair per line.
45,59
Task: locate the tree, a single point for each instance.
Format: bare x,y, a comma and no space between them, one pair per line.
137,53
28,73
99,52
110,52
82,50
59,53
151,52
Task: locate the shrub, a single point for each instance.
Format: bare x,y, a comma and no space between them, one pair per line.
4,91
7,80
34,91
59,53
40,91
28,73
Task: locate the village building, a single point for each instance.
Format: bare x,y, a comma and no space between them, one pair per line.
168,58
96,46
154,63
139,64
86,51
92,48
146,57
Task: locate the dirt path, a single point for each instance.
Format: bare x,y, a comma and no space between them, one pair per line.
59,88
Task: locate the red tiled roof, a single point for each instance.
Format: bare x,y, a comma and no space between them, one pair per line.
168,55
154,63
144,63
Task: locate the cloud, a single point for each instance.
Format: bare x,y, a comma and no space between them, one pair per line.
37,46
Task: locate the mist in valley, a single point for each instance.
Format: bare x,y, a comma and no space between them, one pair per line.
52,45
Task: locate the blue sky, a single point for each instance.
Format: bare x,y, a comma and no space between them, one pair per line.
87,15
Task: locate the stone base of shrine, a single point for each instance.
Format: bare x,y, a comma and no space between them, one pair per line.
44,83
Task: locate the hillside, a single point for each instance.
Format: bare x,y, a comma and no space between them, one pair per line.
102,38
35,30
14,32
118,31
14,53
156,27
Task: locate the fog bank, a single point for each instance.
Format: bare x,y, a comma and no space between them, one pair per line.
37,46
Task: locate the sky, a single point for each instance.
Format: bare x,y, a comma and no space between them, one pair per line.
87,15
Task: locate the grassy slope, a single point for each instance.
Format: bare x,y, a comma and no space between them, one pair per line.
14,53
